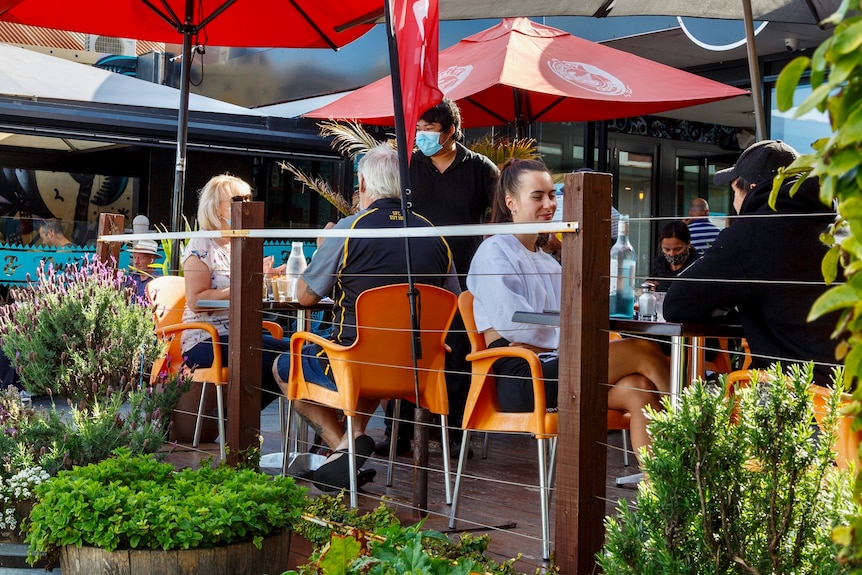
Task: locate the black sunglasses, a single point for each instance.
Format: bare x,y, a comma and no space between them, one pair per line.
241,198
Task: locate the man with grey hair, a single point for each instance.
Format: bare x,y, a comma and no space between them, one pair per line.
703,232
345,267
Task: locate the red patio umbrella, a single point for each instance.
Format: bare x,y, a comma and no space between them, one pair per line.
274,23
522,72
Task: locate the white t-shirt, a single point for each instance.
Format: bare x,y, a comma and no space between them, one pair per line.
506,277
217,259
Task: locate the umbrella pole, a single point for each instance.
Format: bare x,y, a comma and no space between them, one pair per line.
420,417
754,72
182,135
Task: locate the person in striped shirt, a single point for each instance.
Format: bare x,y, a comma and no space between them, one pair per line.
703,232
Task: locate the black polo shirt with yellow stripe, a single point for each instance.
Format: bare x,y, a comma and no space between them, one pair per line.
345,267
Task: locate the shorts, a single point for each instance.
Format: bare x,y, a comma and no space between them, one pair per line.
314,366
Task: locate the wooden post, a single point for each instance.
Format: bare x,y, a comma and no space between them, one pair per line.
583,395
109,224
242,407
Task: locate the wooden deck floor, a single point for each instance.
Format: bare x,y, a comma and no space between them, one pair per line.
499,498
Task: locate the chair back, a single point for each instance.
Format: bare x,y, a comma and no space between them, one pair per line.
482,411
465,306
379,363
168,294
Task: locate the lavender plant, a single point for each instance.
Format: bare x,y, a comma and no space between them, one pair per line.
78,332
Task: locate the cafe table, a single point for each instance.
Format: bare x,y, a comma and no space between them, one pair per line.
301,311
683,337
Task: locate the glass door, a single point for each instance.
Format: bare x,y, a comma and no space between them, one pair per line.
634,174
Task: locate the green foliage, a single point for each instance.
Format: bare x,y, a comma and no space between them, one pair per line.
133,501
745,487
36,443
78,332
332,510
835,70
346,542
836,80
498,150
168,248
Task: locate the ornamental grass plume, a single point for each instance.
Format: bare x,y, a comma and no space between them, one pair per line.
78,332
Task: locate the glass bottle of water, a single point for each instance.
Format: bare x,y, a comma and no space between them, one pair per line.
296,264
623,264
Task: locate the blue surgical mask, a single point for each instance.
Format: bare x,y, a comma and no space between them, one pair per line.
428,142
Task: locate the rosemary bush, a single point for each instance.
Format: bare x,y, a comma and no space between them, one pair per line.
78,332
748,488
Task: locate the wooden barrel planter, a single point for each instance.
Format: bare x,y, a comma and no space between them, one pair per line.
235,559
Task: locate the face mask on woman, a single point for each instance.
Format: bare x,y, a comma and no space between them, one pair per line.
676,259
428,142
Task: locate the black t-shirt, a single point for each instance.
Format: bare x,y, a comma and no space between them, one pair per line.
460,195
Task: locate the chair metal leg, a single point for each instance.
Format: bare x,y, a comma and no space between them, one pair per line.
485,443
199,420
544,498
462,461
629,479
285,446
444,437
221,434
393,441
351,452
625,448
552,461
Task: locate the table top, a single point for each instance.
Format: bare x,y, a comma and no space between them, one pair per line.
665,328
324,304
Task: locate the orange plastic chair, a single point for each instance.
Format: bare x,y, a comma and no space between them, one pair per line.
482,412
379,363
847,440
168,294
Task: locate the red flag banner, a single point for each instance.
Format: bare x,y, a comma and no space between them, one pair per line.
417,24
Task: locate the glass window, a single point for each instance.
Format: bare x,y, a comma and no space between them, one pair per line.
799,132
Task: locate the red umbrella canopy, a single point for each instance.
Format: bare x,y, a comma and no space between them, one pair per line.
520,71
270,23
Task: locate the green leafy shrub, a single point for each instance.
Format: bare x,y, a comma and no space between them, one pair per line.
78,332
37,443
761,495
347,543
133,501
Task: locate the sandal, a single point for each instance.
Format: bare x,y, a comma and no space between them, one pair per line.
334,474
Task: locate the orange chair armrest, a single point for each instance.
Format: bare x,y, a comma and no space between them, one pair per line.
327,344
274,329
207,327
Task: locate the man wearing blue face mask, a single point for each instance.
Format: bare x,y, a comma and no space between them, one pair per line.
451,185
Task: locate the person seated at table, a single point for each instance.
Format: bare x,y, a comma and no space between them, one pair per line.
765,266
141,255
206,268
345,267
509,274
677,253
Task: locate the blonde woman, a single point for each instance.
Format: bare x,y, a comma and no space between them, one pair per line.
206,268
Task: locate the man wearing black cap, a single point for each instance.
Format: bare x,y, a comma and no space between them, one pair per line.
777,255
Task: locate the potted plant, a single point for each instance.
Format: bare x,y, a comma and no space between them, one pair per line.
746,486
132,511
36,443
